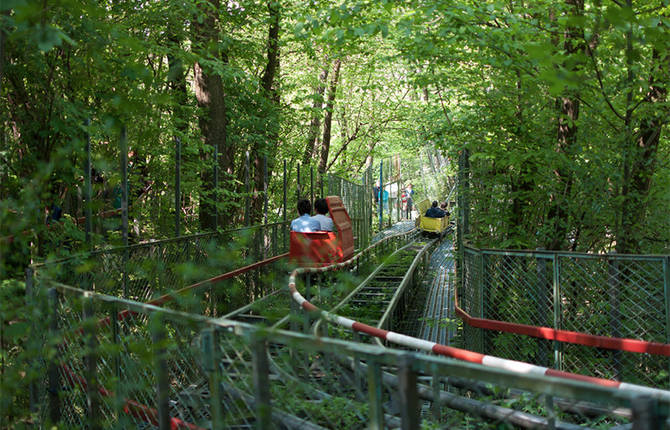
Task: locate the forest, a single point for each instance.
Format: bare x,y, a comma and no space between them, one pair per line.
555,112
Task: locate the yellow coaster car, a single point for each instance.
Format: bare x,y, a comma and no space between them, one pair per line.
430,225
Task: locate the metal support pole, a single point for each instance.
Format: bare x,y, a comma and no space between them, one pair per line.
158,338
375,386
666,293
551,412
297,188
216,185
542,302
177,185
265,189
31,302
53,375
482,300
409,397
436,406
357,363
321,185
615,313
261,369
558,359
90,366
116,361
124,185
381,194
645,413
285,229
89,192
124,207
247,201
210,346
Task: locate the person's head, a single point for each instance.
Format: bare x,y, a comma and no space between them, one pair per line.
321,206
304,207
443,205
435,204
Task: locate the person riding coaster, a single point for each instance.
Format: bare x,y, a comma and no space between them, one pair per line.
321,248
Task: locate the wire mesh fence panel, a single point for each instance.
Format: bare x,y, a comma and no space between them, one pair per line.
131,365
598,295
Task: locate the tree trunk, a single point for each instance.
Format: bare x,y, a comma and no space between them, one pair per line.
315,123
267,150
328,119
568,114
213,121
642,161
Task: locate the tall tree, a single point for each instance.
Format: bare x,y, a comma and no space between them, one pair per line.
210,94
316,114
263,153
328,119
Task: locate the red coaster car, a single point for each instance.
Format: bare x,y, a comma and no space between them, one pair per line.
323,247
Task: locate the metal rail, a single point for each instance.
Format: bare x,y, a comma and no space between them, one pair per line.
461,354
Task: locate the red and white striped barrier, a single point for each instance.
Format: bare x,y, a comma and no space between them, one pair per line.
448,351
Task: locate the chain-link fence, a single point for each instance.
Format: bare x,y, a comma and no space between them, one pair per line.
611,296
115,363
144,271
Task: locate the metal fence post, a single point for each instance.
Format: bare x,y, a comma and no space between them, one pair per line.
436,409
177,185
87,178
297,188
284,230
116,361
375,393
265,189
615,312
645,413
216,184
158,338
261,369
541,306
409,397
53,374
381,194
210,346
558,359
91,364
247,189
666,293
31,303
124,207
482,300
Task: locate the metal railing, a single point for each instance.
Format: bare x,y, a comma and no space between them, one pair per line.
145,271
616,300
166,369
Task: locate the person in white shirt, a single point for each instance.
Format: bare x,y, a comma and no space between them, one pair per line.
304,223
321,207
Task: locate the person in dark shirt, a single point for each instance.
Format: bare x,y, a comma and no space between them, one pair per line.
435,212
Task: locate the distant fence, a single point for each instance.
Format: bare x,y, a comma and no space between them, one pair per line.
616,300
115,363
144,271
